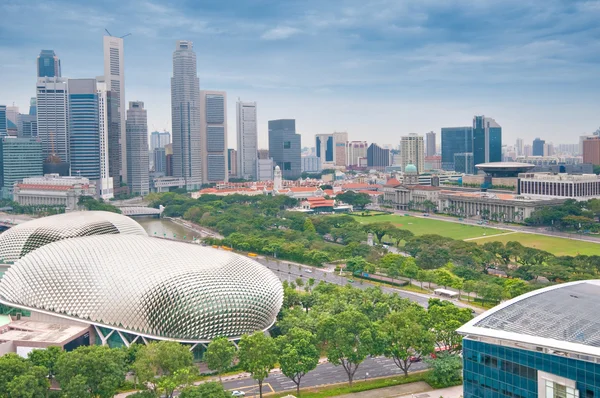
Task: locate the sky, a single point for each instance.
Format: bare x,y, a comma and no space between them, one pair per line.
378,69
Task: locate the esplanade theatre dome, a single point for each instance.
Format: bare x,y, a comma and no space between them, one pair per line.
149,287
28,236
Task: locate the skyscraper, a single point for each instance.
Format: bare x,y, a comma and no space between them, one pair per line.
455,140
412,151
377,157
160,160
356,150
158,139
52,117
12,114
325,147
19,158
340,142
114,76
232,159
185,114
487,140
106,122
591,150
519,147
137,149
285,147
247,139
213,117
48,64
430,142
538,147
3,127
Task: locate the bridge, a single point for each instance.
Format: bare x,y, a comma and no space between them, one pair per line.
139,211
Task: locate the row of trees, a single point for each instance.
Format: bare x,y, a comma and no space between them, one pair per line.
571,215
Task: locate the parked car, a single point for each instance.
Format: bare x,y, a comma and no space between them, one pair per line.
415,359
238,394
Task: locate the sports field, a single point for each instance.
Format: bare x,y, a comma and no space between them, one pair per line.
422,226
551,244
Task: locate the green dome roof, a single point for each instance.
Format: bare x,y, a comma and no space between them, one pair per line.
410,168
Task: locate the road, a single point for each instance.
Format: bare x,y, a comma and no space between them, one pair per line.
325,373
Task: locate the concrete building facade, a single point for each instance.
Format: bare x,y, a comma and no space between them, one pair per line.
356,150
137,149
247,139
412,151
53,190
285,147
591,150
213,133
52,116
430,141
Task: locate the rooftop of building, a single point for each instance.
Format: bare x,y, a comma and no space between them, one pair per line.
503,165
42,332
563,317
558,177
495,195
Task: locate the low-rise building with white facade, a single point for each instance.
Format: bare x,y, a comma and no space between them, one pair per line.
53,190
311,164
574,186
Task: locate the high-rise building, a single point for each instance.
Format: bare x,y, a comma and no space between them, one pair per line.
538,147
137,149
463,163
430,144
263,154
264,169
247,139
455,140
285,147
356,150
185,114
232,166
213,117
105,186
3,126
160,160
52,117
591,150
158,139
548,149
412,151
33,106
111,118
114,76
324,143
377,157
27,123
519,147
48,64
19,158
169,160
12,114
487,140
311,164
340,140
527,150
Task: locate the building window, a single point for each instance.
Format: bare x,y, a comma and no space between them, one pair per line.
555,390
287,144
287,165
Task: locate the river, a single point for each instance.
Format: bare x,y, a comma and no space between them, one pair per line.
165,228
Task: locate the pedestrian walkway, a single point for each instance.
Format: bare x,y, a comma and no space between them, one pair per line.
419,389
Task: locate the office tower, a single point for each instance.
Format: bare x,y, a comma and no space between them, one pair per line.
19,158
160,160
213,133
412,151
264,169
340,140
48,64
3,126
52,117
12,114
311,164
455,140
377,157
548,149
591,150
430,142
463,163
169,160
33,106
538,147
324,144
519,147
487,140
26,126
158,139
107,129
137,149
185,114
247,139
263,154
356,150
527,150
285,147
114,76
232,159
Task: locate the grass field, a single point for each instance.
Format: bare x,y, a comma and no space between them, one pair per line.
551,244
422,226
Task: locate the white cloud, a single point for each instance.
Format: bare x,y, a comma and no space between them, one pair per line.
280,33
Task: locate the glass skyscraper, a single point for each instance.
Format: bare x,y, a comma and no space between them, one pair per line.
213,108
48,64
324,147
455,140
285,147
3,127
19,158
538,147
487,140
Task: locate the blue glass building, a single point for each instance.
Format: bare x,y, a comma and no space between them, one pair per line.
537,148
324,147
3,127
48,64
84,133
542,344
455,140
487,140
285,148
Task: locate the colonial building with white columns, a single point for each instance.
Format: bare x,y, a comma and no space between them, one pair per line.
574,186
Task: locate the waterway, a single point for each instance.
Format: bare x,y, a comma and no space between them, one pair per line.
165,228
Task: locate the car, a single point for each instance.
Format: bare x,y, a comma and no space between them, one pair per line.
307,270
238,394
350,280
413,359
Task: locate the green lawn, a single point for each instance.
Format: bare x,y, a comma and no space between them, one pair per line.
422,226
551,244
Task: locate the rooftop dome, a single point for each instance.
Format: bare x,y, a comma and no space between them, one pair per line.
410,168
151,287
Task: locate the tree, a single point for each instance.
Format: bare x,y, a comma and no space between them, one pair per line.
469,287
298,354
11,367
32,384
309,227
444,319
349,338
446,370
444,277
163,366
219,355
403,335
357,200
208,389
380,229
102,368
356,264
258,355
514,288
410,269
46,358
77,387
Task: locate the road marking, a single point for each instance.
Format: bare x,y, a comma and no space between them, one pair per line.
267,389
491,236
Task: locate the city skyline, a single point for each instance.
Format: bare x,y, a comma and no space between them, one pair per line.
533,73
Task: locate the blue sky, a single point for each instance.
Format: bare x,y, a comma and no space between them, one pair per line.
378,69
